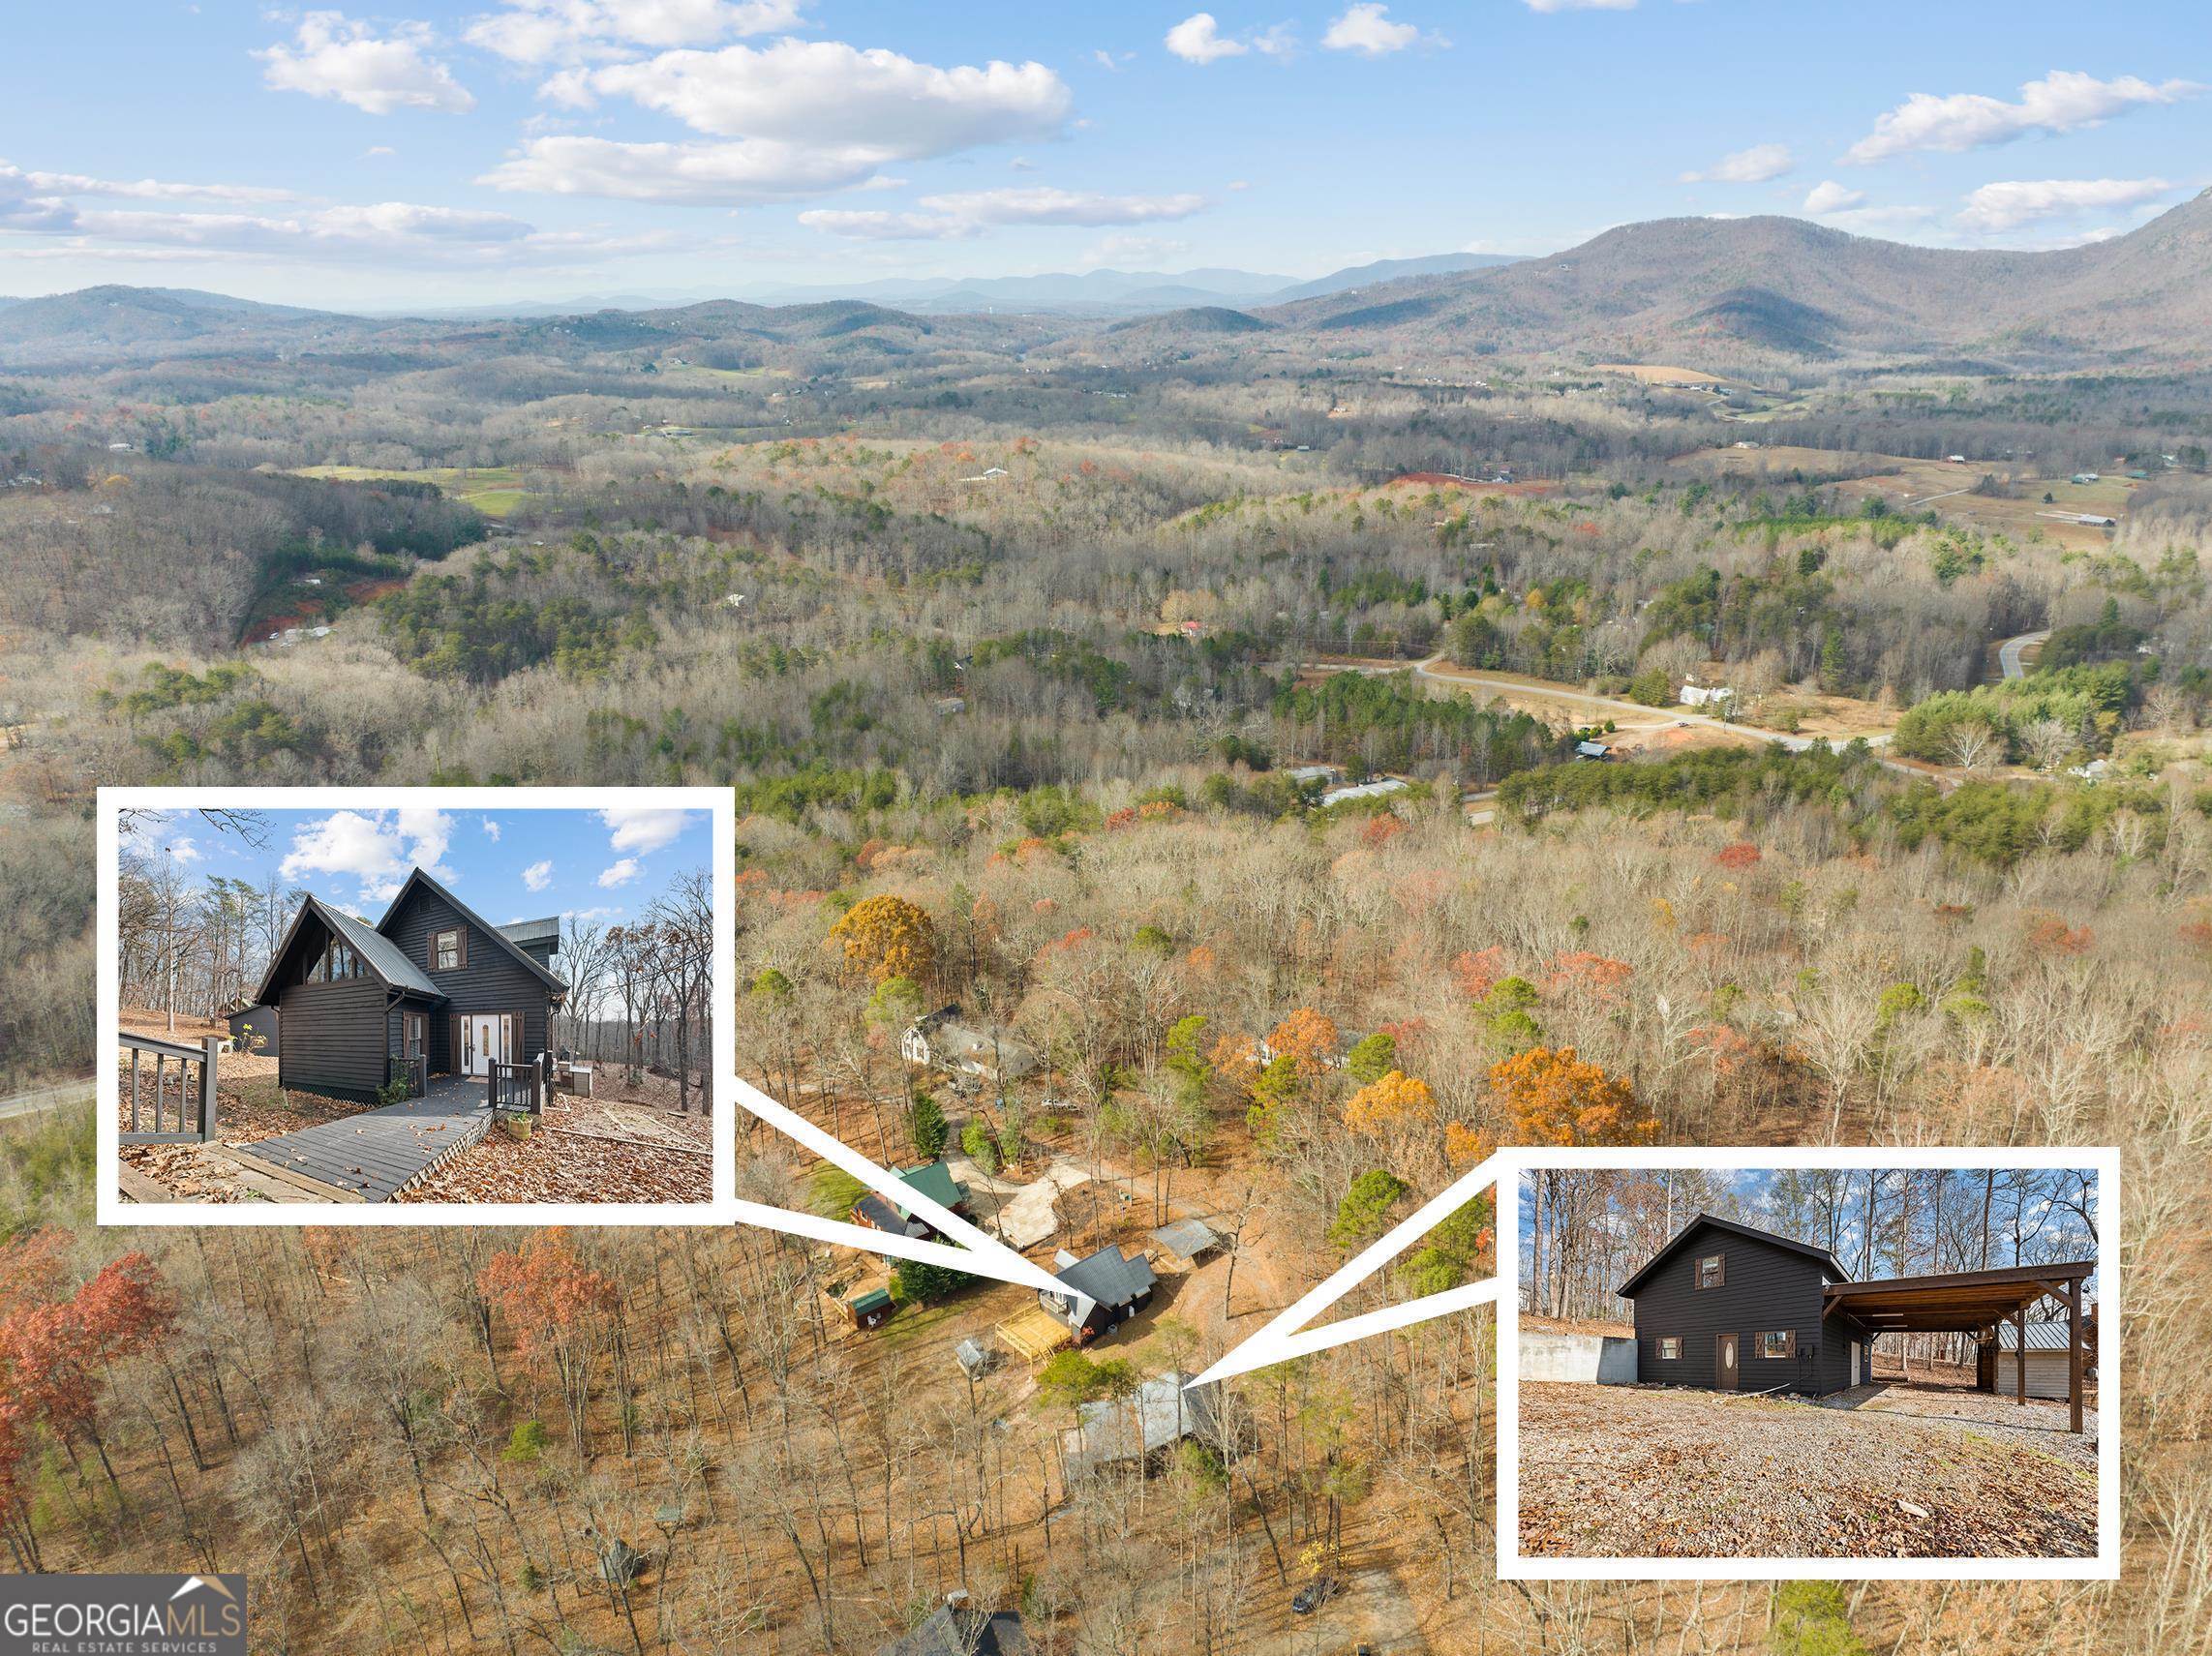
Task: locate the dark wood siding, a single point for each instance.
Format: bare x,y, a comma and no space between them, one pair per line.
1766,1290
493,981
330,1036
1836,1335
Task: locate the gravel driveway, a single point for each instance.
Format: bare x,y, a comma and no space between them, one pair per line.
1647,1471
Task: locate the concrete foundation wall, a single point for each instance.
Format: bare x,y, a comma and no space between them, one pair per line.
1590,1358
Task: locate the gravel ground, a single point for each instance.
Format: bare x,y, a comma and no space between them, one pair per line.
1879,1472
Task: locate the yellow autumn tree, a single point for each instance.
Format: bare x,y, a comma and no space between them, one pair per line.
886,936
1464,1146
1555,1098
1392,1101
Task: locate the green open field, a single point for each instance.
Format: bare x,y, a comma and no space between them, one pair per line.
493,489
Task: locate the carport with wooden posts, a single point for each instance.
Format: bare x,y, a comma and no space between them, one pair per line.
1974,1302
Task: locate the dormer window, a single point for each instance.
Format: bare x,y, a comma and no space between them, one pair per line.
1711,1269
448,950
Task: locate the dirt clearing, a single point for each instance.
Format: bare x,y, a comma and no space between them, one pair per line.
1876,1472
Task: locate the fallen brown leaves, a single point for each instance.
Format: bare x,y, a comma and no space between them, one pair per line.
566,1166
1620,1471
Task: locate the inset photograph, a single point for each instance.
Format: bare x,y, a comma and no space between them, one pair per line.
1789,1364
414,999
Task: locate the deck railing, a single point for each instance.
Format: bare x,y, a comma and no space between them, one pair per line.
414,1073
520,1088
182,1076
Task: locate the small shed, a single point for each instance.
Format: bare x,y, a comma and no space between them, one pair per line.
1184,1243
254,1029
1995,1369
975,1357
870,1309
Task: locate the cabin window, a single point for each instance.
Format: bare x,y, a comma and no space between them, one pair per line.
447,952
318,971
1712,1271
1671,1350
1784,1345
343,962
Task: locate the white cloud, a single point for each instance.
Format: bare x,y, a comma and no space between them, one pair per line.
643,828
375,150
547,31
801,118
1198,39
601,912
2064,101
826,93
145,189
1366,28
334,56
1754,165
620,873
1830,196
957,216
184,850
386,231
1581,5
1111,62
2008,205
377,850
538,875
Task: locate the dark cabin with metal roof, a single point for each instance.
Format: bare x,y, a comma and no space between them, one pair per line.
1098,1293
432,981
1728,1307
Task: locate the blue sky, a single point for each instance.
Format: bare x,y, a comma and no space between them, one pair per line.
2057,1234
605,866
549,148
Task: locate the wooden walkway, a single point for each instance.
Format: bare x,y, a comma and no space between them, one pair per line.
373,1156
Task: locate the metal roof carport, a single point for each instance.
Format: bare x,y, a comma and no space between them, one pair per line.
1973,1301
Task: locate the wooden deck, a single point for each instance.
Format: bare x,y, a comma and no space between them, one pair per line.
373,1156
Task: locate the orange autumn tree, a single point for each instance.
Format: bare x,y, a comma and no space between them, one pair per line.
560,1309
1308,1038
886,936
1395,1100
1555,1098
55,1353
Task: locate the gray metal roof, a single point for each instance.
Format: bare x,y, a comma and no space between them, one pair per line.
2041,1337
1158,1414
386,958
1108,1276
1187,1238
524,933
957,1630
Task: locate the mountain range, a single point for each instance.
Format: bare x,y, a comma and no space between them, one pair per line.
1730,290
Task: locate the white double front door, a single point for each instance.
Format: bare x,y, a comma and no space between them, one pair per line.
483,1041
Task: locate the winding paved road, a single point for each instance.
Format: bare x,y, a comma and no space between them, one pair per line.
2012,653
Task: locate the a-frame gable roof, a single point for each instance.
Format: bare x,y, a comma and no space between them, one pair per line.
1713,1221
499,938
379,954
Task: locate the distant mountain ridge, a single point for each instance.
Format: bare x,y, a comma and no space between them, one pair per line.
1785,289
